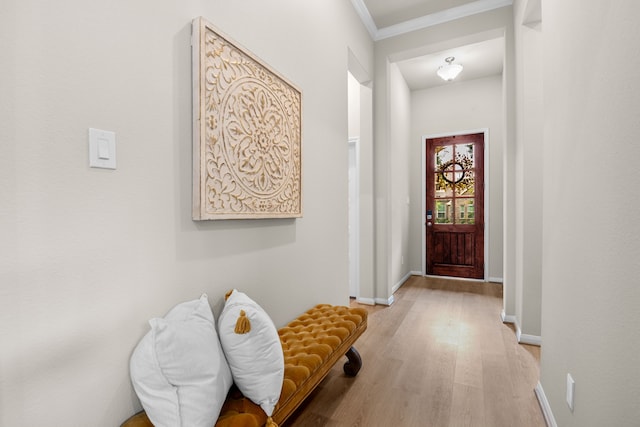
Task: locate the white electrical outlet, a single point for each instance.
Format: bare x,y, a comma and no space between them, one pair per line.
571,388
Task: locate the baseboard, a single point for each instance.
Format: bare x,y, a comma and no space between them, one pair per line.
388,301
520,337
383,301
496,279
507,318
526,338
530,339
401,282
366,301
544,405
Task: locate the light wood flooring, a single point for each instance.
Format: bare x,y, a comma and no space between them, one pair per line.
439,356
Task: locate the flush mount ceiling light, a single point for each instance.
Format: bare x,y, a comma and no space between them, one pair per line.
449,71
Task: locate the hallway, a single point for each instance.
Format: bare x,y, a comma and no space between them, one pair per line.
439,356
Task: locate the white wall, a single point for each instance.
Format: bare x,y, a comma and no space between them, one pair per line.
353,87
87,256
360,127
367,214
528,171
400,157
590,294
449,109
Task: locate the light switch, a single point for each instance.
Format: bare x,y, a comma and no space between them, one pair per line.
102,149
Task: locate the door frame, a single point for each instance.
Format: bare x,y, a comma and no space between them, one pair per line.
354,217
423,186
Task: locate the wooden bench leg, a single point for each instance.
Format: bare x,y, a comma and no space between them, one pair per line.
352,367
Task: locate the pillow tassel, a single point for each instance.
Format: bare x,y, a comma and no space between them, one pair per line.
270,423
243,325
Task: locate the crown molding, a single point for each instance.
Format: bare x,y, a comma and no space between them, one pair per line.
365,17
447,15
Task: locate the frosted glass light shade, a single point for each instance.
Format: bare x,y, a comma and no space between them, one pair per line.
449,71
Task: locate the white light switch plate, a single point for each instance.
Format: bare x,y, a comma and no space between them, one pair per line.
571,388
102,149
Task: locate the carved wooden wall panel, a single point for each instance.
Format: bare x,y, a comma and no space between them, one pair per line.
247,148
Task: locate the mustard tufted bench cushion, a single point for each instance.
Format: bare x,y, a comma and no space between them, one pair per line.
311,344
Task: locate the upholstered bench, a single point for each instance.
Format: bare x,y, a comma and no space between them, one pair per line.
311,344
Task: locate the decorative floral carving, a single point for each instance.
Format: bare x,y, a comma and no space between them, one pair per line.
248,145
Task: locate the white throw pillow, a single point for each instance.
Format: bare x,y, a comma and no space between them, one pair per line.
178,369
255,357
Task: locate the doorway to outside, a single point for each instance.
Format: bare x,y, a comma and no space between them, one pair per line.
454,203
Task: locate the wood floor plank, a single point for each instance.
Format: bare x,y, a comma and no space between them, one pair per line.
438,357
467,406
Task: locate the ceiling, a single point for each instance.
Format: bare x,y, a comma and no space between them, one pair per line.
386,13
479,60
385,18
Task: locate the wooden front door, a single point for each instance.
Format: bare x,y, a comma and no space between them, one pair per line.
455,206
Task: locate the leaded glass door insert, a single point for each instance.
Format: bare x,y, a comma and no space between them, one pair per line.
454,182
455,201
